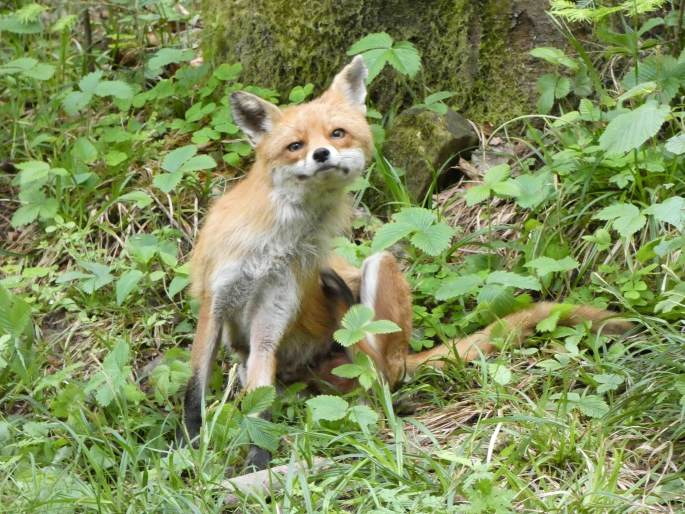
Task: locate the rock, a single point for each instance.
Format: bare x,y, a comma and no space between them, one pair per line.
423,142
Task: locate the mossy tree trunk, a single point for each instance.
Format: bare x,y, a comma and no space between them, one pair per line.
477,48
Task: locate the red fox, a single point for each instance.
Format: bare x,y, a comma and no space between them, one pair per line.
263,270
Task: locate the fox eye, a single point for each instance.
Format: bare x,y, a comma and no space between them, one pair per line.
294,147
338,133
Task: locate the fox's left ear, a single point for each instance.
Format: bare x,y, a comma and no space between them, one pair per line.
350,83
254,116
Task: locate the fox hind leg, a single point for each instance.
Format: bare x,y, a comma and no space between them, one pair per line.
202,356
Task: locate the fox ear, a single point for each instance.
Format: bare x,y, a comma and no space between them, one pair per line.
350,83
254,116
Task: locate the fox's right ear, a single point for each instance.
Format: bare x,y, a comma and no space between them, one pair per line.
350,83
254,116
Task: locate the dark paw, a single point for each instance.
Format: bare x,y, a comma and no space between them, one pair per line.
257,459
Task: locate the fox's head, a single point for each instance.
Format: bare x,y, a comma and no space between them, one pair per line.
315,147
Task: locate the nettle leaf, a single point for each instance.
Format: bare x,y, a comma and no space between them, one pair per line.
258,400
459,286
592,406
378,50
545,265
405,58
630,130
510,279
477,194
499,373
533,190
261,432
625,218
608,382
127,283
671,211
357,322
328,408
363,415
676,144
372,41
589,111
433,240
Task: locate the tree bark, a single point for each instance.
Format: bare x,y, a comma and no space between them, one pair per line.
476,48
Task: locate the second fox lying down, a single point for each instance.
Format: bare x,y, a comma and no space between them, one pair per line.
262,267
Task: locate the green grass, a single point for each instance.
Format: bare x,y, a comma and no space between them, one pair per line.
99,214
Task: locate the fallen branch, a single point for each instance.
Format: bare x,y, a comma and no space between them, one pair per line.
269,480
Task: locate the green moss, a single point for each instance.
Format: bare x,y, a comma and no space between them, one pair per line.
464,45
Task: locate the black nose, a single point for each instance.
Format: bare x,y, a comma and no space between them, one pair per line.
321,154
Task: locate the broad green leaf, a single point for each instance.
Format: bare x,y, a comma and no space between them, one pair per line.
554,56
262,433
115,157
76,101
258,400
434,239
198,162
33,172
418,217
167,181
499,373
670,211
458,286
381,326
178,157
562,88
546,86
626,218
348,370
127,283
363,415
327,407
506,188
84,151
545,265
358,316
89,83
405,58
608,382
509,279
497,174
228,71
389,234
593,406
534,189
165,56
630,130
178,284
115,88
372,41
140,198
476,194
589,111
676,144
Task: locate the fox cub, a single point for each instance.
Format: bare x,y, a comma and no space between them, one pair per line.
262,267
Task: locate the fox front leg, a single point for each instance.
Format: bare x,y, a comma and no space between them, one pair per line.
278,308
